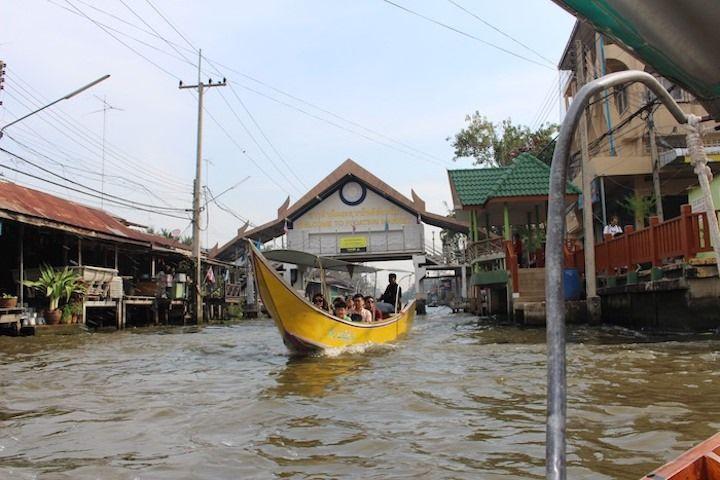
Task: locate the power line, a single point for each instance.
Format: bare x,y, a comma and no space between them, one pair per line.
265,84
21,172
157,33
171,25
102,195
502,32
335,124
83,173
257,144
247,111
465,34
85,135
205,109
122,42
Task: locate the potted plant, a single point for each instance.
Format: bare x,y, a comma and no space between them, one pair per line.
8,301
56,285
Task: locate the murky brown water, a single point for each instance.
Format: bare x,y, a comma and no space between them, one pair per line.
453,401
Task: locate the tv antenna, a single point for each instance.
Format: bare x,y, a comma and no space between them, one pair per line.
105,107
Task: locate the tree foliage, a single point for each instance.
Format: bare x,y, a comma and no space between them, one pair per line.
497,144
164,232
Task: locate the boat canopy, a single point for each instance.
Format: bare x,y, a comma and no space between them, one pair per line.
309,260
678,39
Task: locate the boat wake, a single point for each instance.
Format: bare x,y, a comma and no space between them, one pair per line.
356,349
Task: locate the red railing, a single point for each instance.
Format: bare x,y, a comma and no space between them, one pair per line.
681,237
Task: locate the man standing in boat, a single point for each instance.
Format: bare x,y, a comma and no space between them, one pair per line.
391,300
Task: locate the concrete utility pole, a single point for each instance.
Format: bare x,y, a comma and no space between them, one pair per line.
655,166
196,187
593,301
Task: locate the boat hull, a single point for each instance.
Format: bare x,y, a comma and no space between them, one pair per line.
699,463
306,329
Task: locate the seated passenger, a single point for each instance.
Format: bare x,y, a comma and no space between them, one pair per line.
377,314
341,309
319,301
358,312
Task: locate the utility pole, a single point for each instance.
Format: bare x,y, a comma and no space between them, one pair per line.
655,166
593,301
200,86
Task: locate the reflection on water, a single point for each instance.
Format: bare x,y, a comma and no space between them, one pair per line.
456,399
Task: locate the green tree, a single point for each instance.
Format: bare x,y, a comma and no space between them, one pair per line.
497,144
164,232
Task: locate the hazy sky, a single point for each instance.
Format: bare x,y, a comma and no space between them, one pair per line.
385,70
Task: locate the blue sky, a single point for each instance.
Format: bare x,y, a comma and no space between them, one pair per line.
366,61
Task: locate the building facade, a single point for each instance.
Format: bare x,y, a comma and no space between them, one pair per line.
620,124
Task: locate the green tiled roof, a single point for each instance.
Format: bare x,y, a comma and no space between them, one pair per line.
526,176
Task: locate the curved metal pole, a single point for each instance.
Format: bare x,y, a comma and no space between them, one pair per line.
556,390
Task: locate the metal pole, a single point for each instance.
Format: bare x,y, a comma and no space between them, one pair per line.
588,225
655,167
556,393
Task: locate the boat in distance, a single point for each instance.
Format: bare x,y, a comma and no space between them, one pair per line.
307,329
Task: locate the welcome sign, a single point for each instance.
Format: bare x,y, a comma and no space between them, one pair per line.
355,244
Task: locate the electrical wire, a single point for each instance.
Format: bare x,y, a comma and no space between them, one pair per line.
107,195
92,138
465,34
247,111
501,32
258,81
122,42
170,44
88,174
21,172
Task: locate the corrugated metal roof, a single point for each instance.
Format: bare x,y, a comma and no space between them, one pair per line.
16,199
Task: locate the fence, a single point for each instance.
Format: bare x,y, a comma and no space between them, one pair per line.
681,237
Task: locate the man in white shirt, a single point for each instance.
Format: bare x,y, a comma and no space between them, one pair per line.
358,312
614,227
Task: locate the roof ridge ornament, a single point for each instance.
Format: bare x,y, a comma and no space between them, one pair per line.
282,211
417,201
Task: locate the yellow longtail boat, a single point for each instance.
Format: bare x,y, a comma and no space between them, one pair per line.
306,328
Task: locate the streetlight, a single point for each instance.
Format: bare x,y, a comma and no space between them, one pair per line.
66,97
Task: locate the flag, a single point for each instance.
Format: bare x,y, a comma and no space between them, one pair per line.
285,227
210,276
419,220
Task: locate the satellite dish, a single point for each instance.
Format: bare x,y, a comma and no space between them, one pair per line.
175,233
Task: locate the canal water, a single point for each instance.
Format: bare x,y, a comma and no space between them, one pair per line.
455,400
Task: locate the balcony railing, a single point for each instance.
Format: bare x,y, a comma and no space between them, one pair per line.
682,237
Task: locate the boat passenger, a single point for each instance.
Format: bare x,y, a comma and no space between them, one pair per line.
341,309
390,301
319,301
358,312
377,314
